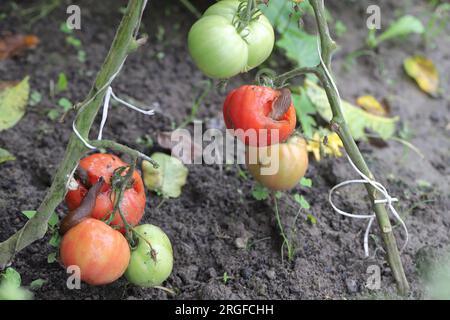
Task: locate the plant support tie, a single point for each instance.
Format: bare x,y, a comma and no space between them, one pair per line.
387,200
109,94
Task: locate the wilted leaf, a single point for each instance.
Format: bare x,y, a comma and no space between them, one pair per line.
13,45
168,179
305,109
13,101
371,105
357,119
5,155
318,148
423,70
402,27
186,150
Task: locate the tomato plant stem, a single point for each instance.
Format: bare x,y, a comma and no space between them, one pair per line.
124,42
339,125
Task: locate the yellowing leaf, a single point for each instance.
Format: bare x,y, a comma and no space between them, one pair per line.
423,70
357,119
332,146
168,178
5,155
371,105
13,101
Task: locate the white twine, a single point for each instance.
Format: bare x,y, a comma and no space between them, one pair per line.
388,200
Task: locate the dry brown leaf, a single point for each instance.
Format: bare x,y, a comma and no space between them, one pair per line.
13,45
371,105
424,71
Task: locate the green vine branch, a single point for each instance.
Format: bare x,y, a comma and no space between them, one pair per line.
339,125
125,41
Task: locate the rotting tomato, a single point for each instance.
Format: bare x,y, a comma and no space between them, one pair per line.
220,50
152,260
101,253
99,165
281,166
264,116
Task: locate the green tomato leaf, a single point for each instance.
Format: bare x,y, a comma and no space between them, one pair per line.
357,119
260,192
62,83
65,104
302,201
306,182
300,47
13,102
169,178
53,221
29,213
35,98
282,15
37,284
305,111
51,258
12,277
402,27
5,156
55,240
10,288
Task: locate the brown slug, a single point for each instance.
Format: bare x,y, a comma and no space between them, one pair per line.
281,104
84,210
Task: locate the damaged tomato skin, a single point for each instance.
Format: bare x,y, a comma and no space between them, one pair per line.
248,107
290,157
101,253
103,165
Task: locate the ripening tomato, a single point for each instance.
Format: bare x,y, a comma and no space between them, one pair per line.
249,108
103,165
101,253
280,166
220,50
149,268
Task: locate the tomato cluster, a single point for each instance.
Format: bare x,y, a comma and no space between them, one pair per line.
93,234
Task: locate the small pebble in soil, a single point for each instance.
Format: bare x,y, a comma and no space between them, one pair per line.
270,274
245,273
352,286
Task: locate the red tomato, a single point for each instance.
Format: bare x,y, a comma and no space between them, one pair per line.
101,253
103,165
248,107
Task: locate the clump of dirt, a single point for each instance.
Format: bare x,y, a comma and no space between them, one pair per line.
216,206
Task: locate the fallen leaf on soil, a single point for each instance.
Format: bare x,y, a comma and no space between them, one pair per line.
357,119
5,155
168,178
180,144
319,148
371,105
13,101
424,71
13,45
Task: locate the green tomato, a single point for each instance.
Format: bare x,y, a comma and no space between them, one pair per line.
220,51
144,269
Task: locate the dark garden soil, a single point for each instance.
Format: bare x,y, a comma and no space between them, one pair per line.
216,206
